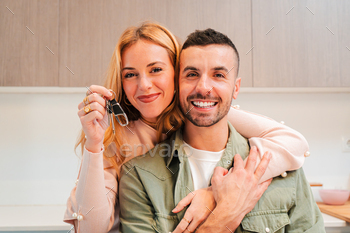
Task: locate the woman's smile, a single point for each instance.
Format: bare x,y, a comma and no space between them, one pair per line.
148,98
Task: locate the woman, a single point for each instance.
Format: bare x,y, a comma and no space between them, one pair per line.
142,74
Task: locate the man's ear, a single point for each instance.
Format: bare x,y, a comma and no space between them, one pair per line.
237,87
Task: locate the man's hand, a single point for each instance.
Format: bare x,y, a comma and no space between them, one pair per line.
236,192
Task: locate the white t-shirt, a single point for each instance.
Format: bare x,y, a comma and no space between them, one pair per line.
202,164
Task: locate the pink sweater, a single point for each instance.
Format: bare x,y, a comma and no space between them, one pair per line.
95,195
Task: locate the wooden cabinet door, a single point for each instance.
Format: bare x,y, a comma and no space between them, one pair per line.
301,43
29,43
89,31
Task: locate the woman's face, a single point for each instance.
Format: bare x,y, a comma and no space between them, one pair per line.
148,78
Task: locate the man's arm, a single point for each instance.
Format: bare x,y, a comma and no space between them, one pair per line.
305,216
136,211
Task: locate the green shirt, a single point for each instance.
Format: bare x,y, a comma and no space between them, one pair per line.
151,185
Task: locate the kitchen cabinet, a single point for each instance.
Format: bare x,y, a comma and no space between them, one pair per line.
29,43
89,31
301,43
281,43
69,43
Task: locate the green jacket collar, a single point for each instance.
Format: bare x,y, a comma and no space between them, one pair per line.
235,144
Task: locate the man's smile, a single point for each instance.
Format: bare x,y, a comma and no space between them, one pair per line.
204,104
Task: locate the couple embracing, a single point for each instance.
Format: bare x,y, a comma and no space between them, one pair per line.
213,167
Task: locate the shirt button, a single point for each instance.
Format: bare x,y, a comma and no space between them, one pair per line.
236,107
267,229
307,154
74,215
282,122
76,182
80,217
228,162
284,174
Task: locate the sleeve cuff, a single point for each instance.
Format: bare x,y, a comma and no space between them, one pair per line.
91,153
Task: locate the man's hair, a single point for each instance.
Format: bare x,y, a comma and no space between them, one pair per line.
208,37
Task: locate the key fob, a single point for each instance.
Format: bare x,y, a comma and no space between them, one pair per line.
118,112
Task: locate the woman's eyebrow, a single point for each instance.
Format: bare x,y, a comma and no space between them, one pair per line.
128,68
153,63
150,64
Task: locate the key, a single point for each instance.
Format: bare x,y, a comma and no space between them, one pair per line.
109,113
114,108
118,112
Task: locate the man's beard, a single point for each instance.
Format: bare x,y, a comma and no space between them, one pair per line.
205,119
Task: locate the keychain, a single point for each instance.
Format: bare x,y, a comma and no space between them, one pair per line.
113,107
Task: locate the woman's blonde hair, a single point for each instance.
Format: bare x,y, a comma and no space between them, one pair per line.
171,118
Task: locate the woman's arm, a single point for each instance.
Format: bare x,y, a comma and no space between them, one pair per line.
94,196
90,207
286,145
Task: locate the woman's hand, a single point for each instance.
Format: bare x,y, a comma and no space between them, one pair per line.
94,122
236,191
202,203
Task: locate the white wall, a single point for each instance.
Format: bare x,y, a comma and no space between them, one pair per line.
37,162
38,133
323,118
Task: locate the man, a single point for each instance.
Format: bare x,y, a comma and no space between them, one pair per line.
154,183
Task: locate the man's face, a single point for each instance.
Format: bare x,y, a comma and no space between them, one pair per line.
207,83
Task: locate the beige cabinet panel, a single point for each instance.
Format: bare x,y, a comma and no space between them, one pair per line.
301,43
89,31
231,17
29,43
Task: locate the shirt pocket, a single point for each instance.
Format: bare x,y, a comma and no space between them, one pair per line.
266,222
164,223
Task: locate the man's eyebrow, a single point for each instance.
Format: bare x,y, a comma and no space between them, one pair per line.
221,68
190,68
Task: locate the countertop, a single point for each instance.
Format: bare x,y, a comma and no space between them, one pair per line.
33,218
49,218
339,211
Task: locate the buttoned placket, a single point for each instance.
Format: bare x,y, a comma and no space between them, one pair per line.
184,184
